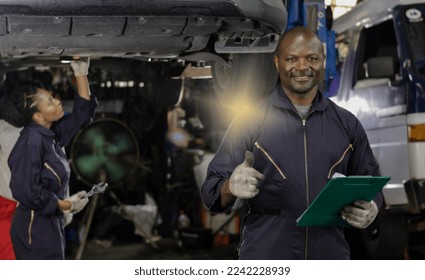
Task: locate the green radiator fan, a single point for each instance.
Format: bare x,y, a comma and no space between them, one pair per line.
106,150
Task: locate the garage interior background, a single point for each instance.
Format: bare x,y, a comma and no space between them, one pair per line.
151,140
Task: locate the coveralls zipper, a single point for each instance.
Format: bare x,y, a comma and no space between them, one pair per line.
306,176
270,159
30,228
54,173
340,159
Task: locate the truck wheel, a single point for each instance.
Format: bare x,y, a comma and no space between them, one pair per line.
248,78
387,237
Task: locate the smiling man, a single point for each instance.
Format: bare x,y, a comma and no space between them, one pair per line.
299,140
300,62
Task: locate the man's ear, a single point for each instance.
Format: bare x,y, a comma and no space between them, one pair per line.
276,62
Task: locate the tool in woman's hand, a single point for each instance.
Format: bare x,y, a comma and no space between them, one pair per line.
97,188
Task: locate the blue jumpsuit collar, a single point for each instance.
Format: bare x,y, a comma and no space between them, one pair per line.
41,129
280,99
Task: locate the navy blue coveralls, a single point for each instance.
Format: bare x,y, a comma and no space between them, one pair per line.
40,176
297,157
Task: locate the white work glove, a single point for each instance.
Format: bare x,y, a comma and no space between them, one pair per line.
81,66
244,179
361,214
78,202
68,218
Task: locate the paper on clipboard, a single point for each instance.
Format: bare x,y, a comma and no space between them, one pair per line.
339,192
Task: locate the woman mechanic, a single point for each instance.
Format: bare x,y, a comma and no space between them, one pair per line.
40,170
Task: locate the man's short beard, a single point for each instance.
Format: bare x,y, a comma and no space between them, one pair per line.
301,90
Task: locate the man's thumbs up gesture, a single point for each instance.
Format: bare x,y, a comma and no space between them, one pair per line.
244,179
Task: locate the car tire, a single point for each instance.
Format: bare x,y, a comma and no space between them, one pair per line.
249,77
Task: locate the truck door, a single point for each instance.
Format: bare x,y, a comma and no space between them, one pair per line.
377,95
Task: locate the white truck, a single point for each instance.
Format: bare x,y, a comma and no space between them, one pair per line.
381,79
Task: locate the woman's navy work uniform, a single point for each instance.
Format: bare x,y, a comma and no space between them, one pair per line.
40,176
297,157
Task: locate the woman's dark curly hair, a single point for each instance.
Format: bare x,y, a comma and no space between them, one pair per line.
19,107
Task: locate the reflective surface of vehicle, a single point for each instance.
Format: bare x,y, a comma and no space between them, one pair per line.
381,46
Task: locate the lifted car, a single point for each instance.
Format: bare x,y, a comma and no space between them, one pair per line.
235,38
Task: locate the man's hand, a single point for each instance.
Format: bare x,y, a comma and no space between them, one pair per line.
361,215
81,66
244,179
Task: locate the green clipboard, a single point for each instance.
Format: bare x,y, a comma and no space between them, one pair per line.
339,192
